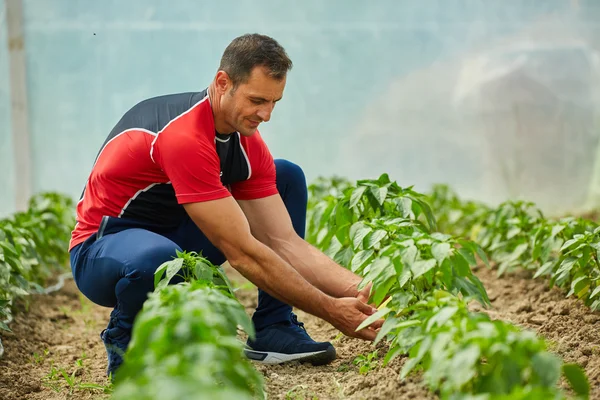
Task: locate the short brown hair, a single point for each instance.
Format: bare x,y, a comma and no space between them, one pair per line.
251,50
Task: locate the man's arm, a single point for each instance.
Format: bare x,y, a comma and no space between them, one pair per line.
224,224
270,223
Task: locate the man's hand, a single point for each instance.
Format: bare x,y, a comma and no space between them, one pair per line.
348,313
365,293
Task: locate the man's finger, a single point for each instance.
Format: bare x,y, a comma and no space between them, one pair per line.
366,334
365,308
363,295
377,324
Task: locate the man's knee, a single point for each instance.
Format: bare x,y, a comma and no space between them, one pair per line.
289,175
147,262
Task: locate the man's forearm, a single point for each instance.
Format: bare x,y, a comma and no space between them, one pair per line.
274,275
318,269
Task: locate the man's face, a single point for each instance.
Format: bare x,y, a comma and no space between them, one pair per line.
252,102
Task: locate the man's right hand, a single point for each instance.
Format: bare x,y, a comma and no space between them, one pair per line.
348,313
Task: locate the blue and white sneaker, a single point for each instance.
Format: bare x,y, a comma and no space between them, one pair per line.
288,341
115,341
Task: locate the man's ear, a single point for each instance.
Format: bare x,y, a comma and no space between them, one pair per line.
222,82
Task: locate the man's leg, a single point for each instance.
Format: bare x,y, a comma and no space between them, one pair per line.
118,271
279,335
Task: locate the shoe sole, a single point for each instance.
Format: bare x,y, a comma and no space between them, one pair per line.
315,358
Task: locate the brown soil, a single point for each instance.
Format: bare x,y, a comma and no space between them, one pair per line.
60,327
60,331
571,328
340,379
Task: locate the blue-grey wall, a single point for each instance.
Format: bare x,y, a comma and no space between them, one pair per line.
376,86
7,188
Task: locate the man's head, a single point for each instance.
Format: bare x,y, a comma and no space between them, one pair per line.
250,80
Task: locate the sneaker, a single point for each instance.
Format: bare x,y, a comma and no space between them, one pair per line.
115,341
288,341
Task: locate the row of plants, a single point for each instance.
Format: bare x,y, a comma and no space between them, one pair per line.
33,247
184,341
422,285
516,235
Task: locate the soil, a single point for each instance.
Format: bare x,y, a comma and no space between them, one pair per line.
61,331
571,329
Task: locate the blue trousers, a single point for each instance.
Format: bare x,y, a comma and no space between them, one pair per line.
117,269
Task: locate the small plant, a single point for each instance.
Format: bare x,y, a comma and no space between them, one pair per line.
300,392
185,341
366,362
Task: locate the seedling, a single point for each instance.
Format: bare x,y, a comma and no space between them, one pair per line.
366,362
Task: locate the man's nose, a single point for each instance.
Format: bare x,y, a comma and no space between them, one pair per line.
265,113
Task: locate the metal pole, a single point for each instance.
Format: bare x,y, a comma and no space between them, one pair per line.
18,95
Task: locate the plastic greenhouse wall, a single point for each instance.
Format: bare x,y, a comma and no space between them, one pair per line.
7,188
498,99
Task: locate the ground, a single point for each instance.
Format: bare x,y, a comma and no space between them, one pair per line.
60,333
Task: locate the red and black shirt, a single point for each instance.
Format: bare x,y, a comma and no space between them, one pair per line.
165,152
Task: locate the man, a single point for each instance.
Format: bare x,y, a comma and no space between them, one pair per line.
191,172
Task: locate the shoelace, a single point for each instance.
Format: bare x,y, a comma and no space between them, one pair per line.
296,322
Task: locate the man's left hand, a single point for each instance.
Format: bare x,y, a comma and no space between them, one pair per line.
363,295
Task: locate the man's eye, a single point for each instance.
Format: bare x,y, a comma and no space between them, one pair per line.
257,102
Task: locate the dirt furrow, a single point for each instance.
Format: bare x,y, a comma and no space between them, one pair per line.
572,329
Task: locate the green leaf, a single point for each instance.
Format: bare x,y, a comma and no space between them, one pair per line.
518,251
383,289
374,238
569,243
172,268
391,354
566,265
467,255
595,292
361,259
358,231
158,274
461,266
556,229
409,255
580,286
512,232
577,379
423,347
372,318
547,367
441,317
383,179
5,327
388,325
544,269
441,251
393,323
404,277
379,193
474,247
344,256
357,195
431,221
462,367
203,271
343,216
421,267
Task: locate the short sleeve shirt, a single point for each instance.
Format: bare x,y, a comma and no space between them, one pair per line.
163,153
